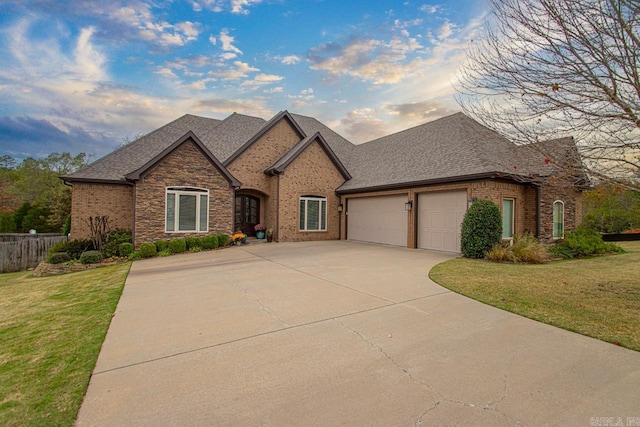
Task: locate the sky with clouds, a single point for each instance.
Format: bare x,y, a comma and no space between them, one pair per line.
83,76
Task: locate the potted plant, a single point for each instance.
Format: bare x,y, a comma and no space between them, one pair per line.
269,234
260,228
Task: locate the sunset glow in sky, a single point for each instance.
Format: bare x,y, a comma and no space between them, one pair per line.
81,76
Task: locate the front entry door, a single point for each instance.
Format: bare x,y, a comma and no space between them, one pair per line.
247,214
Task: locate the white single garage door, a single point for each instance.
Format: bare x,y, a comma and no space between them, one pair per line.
378,219
440,217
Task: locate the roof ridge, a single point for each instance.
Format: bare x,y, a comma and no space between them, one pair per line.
124,146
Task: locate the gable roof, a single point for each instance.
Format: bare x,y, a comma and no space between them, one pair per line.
280,165
451,148
221,138
189,136
270,124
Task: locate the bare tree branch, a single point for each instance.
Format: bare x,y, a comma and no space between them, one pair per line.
547,69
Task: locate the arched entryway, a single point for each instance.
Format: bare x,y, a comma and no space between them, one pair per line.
247,213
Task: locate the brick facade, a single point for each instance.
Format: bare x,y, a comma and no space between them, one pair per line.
186,166
311,173
524,195
249,168
90,200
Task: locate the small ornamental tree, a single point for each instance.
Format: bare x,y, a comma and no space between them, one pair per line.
481,228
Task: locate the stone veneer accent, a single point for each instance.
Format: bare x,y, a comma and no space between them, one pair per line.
90,200
551,191
525,197
186,166
311,173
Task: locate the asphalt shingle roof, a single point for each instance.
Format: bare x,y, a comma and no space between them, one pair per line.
453,146
222,138
450,148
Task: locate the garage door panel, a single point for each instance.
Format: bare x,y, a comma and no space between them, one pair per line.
439,220
377,220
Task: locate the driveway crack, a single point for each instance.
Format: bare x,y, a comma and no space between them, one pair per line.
264,309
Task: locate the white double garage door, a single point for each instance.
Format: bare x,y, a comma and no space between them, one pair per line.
384,219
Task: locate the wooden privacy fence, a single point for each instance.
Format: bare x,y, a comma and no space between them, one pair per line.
22,251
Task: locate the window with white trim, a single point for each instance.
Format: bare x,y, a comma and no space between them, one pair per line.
508,210
186,209
558,219
313,213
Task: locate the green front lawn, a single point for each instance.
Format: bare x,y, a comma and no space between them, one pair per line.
598,297
51,330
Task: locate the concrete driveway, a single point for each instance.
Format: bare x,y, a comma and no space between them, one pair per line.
340,333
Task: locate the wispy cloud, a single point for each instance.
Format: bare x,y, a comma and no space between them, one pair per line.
225,106
362,125
377,61
290,60
138,16
234,6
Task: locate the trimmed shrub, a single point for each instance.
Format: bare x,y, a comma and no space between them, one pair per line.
58,258
74,248
193,242
210,242
147,250
525,249
91,257
58,247
164,252
116,237
161,245
223,239
481,228
125,249
77,247
177,246
134,256
582,243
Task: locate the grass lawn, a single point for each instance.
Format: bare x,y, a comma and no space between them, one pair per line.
51,330
598,297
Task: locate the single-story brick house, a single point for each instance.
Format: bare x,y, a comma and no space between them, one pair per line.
198,176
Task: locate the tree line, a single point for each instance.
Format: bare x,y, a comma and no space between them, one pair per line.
32,195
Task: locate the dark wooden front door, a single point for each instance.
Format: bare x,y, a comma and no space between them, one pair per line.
247,213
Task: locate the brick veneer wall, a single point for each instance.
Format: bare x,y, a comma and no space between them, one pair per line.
249,167
186,166
90,200
482,189
311,173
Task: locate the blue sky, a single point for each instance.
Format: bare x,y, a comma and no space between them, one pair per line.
81,76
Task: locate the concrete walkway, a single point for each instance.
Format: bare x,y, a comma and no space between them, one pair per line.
339,333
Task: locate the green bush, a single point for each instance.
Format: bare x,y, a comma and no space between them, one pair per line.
164,252
116,237
193,242
177,246
91,257
582,243
134,256
210,242
66,229
125,249
161,245
58,258
481,228
223,240
525,249
147,250
74,248
607,220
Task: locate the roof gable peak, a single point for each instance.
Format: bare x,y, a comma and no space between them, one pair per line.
189,136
